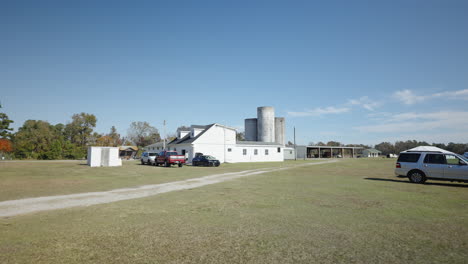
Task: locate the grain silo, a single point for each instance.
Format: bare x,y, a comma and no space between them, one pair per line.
279,130
251,129
266,124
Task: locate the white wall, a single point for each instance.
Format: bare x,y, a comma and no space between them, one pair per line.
103,157
288,153
218,140
215,142
237,153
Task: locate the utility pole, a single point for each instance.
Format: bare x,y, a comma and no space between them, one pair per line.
295,150
164,135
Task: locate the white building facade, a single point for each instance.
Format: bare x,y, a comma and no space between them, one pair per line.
220,142
265,135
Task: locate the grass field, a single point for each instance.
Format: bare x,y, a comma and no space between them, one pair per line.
351,211
32,179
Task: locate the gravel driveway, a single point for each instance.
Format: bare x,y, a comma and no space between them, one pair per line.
29,205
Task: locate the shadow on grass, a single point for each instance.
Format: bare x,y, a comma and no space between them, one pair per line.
426,183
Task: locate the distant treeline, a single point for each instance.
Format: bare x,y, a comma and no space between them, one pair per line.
399,146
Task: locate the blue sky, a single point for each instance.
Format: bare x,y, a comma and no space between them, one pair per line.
349,71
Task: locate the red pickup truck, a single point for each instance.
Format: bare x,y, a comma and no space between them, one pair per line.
168,158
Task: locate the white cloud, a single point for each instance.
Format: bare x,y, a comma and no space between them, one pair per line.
319,111
420,122
409,97
365,102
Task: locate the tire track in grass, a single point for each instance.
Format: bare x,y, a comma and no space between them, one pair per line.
38,204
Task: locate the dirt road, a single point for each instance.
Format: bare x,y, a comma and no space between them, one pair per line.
29,205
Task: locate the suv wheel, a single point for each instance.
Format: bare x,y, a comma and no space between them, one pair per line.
142,163
416,177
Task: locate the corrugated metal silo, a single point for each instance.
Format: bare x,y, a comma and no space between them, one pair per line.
251,129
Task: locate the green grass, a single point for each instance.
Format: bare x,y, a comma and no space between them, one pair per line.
354,211
33,179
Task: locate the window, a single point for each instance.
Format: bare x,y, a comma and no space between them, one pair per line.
229,149
244,151
452,160
266,151
290,152
279,150
434,159
255,151
409,157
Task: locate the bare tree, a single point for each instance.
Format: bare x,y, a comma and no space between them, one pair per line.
142,134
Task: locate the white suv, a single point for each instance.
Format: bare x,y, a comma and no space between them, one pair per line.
148,158
419,166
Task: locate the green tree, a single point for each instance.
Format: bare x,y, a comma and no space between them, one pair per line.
5,130
334,144
34,140
143,134
115,137
240,136
80,130
457,147
386,148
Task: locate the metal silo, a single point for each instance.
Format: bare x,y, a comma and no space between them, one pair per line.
266,124
279,130
251,129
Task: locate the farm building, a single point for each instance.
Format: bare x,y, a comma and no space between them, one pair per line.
371,153
264,140
127,152
289,153
310,152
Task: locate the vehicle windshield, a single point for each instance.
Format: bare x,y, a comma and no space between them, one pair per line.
171,153
210,157
152,154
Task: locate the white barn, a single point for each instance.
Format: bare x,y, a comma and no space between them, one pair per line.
264,135
220,141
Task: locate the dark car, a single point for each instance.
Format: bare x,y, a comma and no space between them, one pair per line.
205,160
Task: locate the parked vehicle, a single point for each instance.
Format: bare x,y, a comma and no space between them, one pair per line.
168,158
205,160
148,158
419,166
466,155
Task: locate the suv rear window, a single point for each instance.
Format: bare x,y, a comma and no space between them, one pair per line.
409,157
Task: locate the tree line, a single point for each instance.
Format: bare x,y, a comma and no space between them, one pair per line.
38,139
399,146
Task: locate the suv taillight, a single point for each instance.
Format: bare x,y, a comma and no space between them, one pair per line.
398,165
